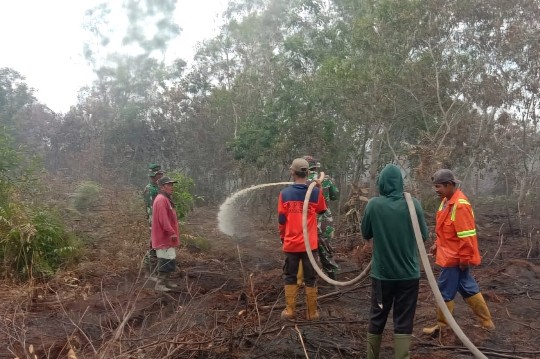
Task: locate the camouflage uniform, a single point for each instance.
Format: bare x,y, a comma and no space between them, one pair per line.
325,225
149,194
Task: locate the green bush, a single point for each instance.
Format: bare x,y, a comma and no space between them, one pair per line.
33,242
86,196
195,243
182,195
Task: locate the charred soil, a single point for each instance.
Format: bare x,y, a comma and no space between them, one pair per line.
230,296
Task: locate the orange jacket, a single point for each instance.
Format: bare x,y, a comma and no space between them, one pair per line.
456,233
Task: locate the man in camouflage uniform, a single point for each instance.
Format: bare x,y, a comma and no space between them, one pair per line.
325,225
149,194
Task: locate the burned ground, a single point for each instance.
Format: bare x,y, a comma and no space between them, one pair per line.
231,296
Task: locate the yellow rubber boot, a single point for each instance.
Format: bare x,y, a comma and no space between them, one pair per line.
291,290
402,346
300,275
479,307
311,301
373,345
441,320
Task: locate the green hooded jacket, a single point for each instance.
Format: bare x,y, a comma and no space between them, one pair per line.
387,221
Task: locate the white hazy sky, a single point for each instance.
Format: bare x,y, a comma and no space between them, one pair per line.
43,41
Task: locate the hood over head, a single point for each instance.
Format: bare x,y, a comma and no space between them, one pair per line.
390,181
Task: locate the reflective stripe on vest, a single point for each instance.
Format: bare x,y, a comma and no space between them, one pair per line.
454,208
441,206
469,233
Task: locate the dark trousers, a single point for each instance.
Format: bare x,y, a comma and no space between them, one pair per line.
402,295
290,268
166,265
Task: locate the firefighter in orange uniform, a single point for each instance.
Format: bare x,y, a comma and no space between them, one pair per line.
291,231
456,250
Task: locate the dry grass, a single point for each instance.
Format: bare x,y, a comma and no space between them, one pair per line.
230,299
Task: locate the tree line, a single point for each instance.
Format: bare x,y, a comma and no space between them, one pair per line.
356,83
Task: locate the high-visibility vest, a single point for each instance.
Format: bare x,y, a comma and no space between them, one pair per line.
457,242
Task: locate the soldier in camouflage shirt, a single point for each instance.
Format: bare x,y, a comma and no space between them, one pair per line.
149,194
326,228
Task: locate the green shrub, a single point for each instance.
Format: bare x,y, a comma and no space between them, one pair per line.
182,195
86,196
195,243
33,242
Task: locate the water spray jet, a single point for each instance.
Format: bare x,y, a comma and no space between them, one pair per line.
225,213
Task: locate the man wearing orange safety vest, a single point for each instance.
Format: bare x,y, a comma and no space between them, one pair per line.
456,250
291,232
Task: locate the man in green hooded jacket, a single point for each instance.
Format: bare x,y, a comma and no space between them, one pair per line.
395,269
